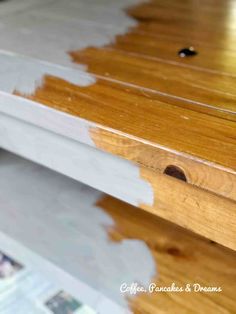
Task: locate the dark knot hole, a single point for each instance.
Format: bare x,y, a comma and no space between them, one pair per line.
175,172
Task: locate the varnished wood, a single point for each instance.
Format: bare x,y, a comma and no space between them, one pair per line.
193,208
203,88
170,126
180,257
161,47
155,109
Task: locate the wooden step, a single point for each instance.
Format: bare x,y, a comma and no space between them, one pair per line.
106,243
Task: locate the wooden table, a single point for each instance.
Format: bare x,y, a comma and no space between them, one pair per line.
97,90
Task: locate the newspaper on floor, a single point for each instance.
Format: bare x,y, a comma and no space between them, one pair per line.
30,284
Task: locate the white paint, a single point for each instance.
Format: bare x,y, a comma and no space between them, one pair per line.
103,171
56,217
16,73
47,31
23,74
15,7
47,118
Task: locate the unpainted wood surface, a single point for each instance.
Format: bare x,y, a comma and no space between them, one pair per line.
181,257
175,199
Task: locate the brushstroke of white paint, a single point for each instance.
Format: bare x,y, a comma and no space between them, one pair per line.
47,118
103,171
18,73
48,31
56,217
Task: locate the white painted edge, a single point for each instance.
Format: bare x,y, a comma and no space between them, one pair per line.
105,172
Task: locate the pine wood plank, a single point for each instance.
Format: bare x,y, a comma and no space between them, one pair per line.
157,46
180,257
198,36
150,122
204,88
187,14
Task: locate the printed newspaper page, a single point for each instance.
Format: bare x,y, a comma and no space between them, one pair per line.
32,285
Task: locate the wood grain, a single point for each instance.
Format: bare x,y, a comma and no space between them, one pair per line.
147,90
188,131
195,209
203,88
181,257
103,242
185,204
139,89
179,201
160,47
156,109
157,160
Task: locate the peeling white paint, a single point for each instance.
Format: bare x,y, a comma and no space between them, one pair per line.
47,31
56,217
